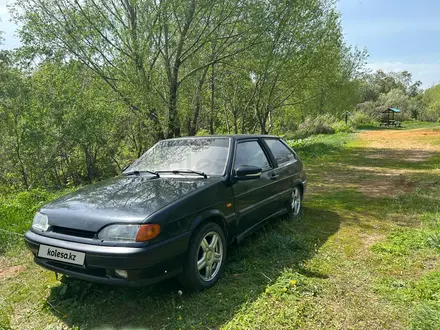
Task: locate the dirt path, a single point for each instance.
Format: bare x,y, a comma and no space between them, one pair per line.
419,139
384,182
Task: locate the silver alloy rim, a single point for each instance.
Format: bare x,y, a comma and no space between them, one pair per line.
210,256
296,201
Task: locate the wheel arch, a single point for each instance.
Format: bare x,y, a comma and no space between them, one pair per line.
213,216
300,184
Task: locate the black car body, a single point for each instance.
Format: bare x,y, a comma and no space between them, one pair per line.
173,207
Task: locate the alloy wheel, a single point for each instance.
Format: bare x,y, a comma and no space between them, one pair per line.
296,201
210,256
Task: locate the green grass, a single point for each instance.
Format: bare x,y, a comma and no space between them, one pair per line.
405,125
364,255
16,214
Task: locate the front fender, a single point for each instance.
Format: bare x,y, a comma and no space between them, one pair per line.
207,214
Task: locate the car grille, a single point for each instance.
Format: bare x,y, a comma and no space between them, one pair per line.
73,232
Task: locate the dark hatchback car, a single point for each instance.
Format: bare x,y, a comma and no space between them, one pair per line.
171,213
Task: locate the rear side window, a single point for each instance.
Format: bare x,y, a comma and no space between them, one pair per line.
281,153
250,153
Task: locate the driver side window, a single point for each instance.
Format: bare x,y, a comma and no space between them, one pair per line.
250,153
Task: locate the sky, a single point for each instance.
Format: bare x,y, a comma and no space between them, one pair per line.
398,34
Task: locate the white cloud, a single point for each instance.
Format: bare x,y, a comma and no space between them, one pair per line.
427,73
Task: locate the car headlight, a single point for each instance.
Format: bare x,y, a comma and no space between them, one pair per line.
40,222
129,233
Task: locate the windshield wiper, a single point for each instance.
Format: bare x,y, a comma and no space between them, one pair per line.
143,171
185,171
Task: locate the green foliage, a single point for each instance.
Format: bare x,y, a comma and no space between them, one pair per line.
17,212
320,146
342,127
314,125
202,132
112,80
431,100
360,118
322,124
380,90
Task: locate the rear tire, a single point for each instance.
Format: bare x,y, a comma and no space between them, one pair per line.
205,257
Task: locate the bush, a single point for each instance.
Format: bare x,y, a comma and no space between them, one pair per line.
360,118
341,127
321,124
17,212
202,132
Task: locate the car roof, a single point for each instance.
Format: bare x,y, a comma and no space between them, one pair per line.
229,136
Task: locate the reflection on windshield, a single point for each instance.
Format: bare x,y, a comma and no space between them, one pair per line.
208,155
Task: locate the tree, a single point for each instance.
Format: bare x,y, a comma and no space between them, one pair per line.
139,48
431,100
14,109
103,80
380,90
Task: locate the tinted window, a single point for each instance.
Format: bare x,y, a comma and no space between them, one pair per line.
250,153
207,155
281,153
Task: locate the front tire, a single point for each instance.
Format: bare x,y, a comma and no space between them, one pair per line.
295,205
205,258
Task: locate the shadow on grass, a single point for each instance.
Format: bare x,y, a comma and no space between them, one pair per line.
250,268
409,159
318,150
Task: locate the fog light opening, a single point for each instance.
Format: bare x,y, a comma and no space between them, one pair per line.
121,273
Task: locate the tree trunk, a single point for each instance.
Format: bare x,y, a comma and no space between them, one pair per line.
235,119
262,121
90,164
198,105
242,122
173,118
24,176
225,107
22,169
211,113
159,135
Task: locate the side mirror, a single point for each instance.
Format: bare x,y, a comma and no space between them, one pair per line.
247,172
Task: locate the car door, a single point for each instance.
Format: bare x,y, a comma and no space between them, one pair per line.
288,169
253,198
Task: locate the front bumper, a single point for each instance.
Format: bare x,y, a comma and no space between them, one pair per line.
144,265
304,183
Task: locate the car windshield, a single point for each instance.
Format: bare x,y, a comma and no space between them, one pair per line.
207,155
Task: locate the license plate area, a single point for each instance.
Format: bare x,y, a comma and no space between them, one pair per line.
62,255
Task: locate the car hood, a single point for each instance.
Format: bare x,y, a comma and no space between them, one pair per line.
124,199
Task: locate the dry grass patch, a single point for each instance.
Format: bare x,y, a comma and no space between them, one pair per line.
11,271
422,139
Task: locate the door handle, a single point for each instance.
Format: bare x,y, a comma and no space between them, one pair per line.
274,176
